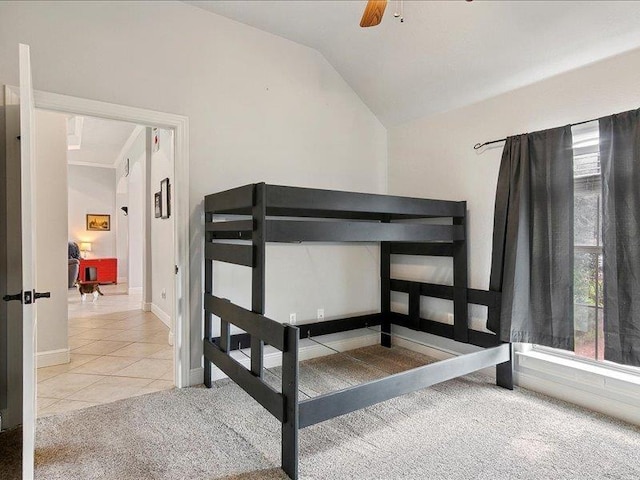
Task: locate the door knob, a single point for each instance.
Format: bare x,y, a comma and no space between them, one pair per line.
10,298
37,295
28,297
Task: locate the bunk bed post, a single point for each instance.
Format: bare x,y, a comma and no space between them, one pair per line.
385,292
460,283
291,422
414,305
208,317
259,211
504,372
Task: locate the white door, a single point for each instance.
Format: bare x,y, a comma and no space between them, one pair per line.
18,263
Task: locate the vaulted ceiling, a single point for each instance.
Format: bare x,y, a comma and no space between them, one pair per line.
446,54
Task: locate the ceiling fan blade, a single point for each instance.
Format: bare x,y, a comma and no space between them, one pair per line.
373,13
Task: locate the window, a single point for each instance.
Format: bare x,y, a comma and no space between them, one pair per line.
587,273
588,264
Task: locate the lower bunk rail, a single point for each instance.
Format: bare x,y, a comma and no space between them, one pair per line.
330,405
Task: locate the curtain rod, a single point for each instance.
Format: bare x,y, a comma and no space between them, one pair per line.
480,145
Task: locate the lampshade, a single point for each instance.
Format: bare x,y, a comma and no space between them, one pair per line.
85,246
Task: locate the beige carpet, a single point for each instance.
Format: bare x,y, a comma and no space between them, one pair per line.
462,429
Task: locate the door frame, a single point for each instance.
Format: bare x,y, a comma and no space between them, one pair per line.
180,195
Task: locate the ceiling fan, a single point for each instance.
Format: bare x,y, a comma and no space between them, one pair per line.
374,11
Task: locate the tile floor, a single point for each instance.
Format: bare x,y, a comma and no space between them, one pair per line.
117,351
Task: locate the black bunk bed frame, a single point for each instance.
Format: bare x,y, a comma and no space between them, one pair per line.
346,217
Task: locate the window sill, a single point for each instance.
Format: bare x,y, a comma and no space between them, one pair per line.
608,391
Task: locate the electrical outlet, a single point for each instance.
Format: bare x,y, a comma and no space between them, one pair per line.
164,293
450,317
292,319
320,315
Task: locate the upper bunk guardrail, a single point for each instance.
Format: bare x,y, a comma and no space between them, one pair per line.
319,203
297,201
230,253
336,231
342,231
346,231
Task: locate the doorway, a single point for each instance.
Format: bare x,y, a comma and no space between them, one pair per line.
179,125
120,267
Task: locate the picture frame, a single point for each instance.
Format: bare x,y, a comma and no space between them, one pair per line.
165,200
158,204
98,222
156,139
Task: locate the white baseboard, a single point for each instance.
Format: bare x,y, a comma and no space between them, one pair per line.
438,348
53,357
161,314
122,279
595,388
134,290
145,306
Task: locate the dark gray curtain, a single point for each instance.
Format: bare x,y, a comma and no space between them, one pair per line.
532,262
620,163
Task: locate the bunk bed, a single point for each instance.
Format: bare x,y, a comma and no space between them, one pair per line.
238,224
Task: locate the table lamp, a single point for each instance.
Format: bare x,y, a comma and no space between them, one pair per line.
85,247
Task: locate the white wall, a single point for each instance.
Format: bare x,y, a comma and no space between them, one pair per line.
260,108
92,190
434,156
51,243
162,241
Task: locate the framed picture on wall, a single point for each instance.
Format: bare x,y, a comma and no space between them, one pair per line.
158,204
156,139
165,200
98,222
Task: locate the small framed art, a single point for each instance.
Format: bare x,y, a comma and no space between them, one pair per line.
98,222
